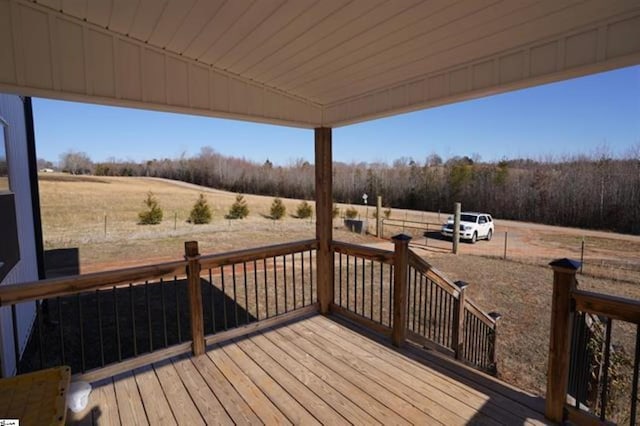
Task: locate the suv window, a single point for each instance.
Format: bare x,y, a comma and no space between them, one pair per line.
469,218
490,219
483,219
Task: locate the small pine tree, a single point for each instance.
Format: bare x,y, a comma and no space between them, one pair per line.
239,209
153,214
278,209
336,210
200,213
351,213
387,213
304,210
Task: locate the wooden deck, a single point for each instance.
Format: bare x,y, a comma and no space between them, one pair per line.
314,370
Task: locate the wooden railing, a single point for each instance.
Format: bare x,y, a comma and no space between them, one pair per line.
107,322
592,375
427,308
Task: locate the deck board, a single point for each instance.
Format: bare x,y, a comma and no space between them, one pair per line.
315,370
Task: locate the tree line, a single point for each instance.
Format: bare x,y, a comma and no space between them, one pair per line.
597,191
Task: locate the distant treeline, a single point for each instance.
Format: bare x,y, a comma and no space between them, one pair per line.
585,192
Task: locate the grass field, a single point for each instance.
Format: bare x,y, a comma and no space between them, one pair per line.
74,210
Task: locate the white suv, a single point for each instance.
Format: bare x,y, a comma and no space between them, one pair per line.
473,226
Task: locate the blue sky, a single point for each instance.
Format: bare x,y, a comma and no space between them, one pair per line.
579,116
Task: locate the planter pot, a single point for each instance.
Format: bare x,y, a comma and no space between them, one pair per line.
356,225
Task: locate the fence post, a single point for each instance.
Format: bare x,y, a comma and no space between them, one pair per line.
192,256
458,330
400,290
564,282
379,217
457,207
506,238
493,360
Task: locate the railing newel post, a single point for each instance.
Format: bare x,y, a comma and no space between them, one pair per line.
400,289
564,282
458,330
195,296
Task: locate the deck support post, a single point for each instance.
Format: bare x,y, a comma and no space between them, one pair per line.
192,256
400,289
564,282
324,217
458,329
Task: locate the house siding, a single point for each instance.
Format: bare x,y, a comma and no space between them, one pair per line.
12,112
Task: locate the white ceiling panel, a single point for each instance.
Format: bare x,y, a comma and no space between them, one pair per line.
306,62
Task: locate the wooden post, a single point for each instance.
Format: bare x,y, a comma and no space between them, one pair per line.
493,368
379,217
456,227
564,282
400,290
195,296
324,215
458,330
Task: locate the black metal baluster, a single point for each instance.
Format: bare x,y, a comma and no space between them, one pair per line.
304,300
80,323
293,279
363,286
438,324
61,332
634,382
164,313
255,288
420,304
40,340
425,318
235,299
212,293
381,291
246,293
16,341
431,309
415,291
133,320
605,375
314,292
340,278
266,287
275,284
175,288
150,329
371,291
347,289
224,299
391,286
117,317
284,274
99,309
355,284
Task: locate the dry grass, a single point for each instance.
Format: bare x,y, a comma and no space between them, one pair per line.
4,183
74,210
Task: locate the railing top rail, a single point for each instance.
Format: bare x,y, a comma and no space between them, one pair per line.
615,307
248,255
433,274
24,292
369,253
479,313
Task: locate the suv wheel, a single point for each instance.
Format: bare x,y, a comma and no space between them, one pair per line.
489,235
474,238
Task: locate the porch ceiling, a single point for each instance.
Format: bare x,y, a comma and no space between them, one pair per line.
305,63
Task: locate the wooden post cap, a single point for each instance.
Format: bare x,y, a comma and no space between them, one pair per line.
495,315
462,284
191,249
569,265
401,238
